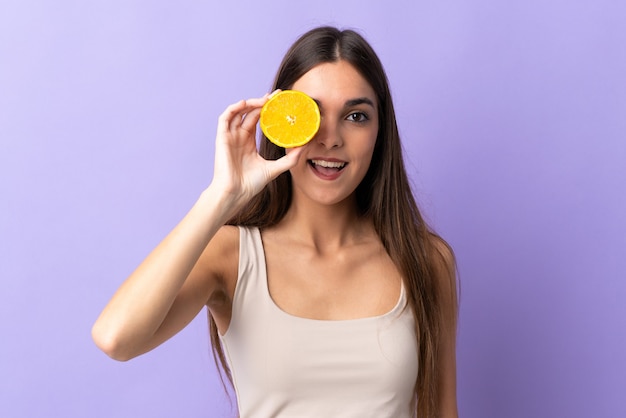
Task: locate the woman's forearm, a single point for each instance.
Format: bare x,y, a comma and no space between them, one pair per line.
134,314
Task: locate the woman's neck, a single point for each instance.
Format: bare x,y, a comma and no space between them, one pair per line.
326,227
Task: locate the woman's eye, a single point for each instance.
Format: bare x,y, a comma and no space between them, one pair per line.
358,117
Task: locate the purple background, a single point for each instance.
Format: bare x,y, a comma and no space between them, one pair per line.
513,116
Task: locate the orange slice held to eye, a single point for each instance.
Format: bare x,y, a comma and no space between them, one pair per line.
290,118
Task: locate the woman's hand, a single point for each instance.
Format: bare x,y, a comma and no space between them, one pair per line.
239,170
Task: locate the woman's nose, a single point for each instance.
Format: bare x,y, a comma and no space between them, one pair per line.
329,134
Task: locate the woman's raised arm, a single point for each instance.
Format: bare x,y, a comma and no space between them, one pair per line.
183,272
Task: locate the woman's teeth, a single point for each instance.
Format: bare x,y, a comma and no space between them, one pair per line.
328,164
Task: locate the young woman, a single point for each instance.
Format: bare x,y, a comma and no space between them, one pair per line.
327,293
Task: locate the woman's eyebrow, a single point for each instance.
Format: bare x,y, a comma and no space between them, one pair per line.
358,101
352,102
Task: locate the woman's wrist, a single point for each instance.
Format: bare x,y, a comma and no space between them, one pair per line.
222,203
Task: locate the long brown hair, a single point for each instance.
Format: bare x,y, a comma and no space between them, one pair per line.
384,195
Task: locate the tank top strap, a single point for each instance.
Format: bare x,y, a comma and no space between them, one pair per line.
251,288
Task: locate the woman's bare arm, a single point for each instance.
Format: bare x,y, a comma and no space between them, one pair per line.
141,314
184,271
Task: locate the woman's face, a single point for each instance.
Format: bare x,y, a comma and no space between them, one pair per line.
337,158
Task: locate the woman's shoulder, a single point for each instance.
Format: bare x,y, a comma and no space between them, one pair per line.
220,258
228,234
225,240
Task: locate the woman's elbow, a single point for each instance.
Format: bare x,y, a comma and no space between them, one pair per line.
110,343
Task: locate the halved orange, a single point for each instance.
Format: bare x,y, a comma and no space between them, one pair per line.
290,118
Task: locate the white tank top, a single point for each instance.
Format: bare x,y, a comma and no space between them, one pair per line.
288,366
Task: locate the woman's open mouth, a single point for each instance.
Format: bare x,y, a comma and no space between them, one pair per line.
327,170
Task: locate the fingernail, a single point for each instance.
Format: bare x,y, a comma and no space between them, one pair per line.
274,92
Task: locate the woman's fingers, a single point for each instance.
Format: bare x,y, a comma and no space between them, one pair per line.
250,120
250,115
225,119
242,114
